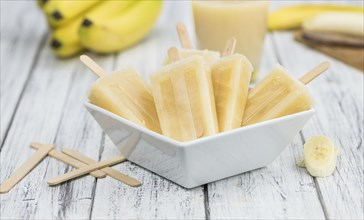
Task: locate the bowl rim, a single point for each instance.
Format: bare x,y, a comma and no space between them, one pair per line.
185,144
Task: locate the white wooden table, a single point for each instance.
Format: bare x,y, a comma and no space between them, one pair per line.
42,100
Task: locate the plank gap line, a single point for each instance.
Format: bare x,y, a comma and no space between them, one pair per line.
206,202
317,187
321,199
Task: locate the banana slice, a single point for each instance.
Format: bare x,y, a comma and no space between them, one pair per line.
320,156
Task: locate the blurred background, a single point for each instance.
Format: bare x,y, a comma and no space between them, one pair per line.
44,87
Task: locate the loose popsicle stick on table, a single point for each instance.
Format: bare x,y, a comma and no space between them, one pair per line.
108,170
24,169
68,160
93,66
229,47
84,170
183,35
318,70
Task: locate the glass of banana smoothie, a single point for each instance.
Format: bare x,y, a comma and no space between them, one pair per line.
216,21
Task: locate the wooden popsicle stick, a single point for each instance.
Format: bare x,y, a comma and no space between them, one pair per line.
229,47
24,169
173,54
183,35
68,160
318,70
93,66
108,170
84,170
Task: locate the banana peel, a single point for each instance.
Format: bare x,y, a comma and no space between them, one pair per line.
292,17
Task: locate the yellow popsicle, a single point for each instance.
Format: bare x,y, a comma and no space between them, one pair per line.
184,99
126,94
230,78
277,95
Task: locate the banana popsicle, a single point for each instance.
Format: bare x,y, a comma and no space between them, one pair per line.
126,94
230,78
277,95
184,99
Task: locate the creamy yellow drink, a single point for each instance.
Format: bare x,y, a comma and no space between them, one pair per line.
216,21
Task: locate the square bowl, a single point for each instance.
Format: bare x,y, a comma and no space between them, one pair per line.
206,159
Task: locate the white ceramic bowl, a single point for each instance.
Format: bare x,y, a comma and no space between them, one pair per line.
206,159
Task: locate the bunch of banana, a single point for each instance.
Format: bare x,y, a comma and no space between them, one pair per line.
61,12
100,25
118,32
292,17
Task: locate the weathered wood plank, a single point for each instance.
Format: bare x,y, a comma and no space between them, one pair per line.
67,124
55,93
77,130
157,198
36,119
279,191
22,35
339,95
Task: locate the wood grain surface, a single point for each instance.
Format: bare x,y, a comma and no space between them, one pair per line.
42,100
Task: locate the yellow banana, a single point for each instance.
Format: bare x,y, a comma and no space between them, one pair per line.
292,17
109,9
62,11
41,4
114,34
65,40
346,23
126,94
